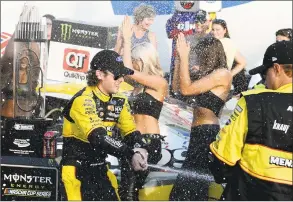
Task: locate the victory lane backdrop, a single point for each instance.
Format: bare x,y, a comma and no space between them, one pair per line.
28,183
72,47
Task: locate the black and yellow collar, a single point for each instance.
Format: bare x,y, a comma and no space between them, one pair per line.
103,97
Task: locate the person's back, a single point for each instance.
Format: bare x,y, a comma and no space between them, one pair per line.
269,115
146,106
253,152
206,92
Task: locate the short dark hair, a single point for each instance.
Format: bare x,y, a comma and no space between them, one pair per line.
210,55
92,79
223,24
285,32
51,17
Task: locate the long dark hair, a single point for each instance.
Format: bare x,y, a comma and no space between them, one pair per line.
210,55
223,24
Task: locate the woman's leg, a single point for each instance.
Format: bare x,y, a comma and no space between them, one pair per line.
195,188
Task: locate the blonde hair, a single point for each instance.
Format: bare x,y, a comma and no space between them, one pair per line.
148,54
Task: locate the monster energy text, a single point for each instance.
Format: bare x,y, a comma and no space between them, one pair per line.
66,31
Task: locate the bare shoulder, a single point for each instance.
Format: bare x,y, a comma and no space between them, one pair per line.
223,77
152,35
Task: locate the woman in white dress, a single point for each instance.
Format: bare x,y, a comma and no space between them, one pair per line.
235,61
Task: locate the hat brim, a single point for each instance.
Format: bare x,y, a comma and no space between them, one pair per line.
258,70
123,71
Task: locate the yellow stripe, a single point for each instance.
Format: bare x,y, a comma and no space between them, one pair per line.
256,162
214,151
113,181
263,177
71,184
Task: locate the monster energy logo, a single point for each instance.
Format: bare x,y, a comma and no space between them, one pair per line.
65,31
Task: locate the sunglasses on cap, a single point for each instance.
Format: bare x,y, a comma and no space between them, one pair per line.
220,21
264,73
115,77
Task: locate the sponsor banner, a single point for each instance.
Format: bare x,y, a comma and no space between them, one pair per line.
84,34
24,137
22,183
69,63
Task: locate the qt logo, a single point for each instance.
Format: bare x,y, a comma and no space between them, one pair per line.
76,60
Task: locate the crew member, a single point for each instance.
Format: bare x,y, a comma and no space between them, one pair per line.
253,152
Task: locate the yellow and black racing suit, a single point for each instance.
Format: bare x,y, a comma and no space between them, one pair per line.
89,118
253,152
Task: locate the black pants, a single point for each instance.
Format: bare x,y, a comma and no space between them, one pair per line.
132,181
88,183
193,189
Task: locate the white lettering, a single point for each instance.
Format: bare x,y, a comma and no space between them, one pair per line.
281,161
113,115
281,127
113,142
42,179
7,177
48,180
26,178
290,109
23,127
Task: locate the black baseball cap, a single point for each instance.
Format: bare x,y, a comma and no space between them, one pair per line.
201,16
279,52
111,61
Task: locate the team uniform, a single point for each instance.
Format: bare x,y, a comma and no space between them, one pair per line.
253,152
84,170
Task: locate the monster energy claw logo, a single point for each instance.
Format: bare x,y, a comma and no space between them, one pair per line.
65,31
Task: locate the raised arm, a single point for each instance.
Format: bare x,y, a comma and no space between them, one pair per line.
152,81
202,85
175,80
119,43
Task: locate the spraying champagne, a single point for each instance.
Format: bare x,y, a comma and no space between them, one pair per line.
187,173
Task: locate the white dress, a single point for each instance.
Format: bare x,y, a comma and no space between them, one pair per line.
230,51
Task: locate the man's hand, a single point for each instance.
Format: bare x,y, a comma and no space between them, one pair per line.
139,159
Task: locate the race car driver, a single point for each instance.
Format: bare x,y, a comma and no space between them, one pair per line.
253,152
89,118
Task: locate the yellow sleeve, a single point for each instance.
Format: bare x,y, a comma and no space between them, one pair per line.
230,140
83,112
126,122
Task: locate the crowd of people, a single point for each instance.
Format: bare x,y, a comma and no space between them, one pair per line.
251,154
246,154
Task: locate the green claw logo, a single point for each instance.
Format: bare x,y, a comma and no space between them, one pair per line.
65,31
